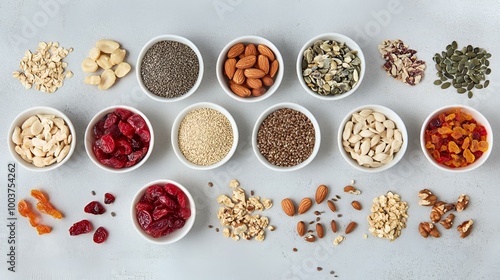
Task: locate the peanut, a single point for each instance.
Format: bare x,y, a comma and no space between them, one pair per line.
94,53
108,78
89,65
93,80
104,62
122,69
117,56
107,46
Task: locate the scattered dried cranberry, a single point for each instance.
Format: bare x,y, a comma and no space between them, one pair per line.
162,209
83,226
95,208
100,235
121,139
109,198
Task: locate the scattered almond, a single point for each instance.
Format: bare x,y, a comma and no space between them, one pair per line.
352,190
321,193
350,227
301,228
319,230
288,207
331,205
334,226
356,205
304,205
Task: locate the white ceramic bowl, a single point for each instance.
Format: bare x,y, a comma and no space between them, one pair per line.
224,81
169,38
177,234
341,39
478,117
264,115
90,138
391,115
23,116
175,135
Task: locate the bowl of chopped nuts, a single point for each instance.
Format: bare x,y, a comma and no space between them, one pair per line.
163,211
372,138
330,66
204,136
170,68
41,138
456,138
250,68
286,137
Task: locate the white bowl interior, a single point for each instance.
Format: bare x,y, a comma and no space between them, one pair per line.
478,117
341,39
175,135
264,115
169,38
90,139
223,80
390,114
19,120
174,236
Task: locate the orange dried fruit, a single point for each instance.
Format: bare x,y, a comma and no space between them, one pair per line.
469,156
453,147
24,210
44,206
444,130
43,229
482,146
474,147
466,143
450,117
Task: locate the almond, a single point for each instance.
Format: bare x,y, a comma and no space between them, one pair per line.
254,83
246,62
319,230
356,205
263,63
334,226
230,67
304,205
236,50
350,227
250,49
265,50
321,193
273,69
254,73
288,207
267,81
331,205
240,90
239,76
258,92
310,238
301,228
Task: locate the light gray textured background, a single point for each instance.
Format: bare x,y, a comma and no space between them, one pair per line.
427,26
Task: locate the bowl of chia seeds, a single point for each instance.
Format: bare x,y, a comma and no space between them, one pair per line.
204,136
170,68
330,66
239,64
286,137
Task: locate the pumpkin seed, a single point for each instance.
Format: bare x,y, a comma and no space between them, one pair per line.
470,94
461,90
446,85
438,82
486,83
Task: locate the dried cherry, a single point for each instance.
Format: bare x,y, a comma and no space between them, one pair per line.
95,208
121,139
81,227
162,209
100,235
109,198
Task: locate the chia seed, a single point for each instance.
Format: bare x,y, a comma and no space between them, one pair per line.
169,69
286,137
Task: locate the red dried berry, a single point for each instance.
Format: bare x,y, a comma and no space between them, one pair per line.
95,208
116,162
109,198
123,145
144,219
126,129
153,192
160,213
81,227
100,235
111,119
144,206
99,129
124,114
144,134
106,143
172,189
182,199
136,121
185,213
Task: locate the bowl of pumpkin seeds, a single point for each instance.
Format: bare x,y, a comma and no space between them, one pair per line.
330,66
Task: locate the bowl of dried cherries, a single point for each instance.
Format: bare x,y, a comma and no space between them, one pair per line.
163,211
119,139
456,138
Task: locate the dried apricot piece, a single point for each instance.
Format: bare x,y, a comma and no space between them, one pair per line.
444,130
44,206
453,147
24,210
43,229
466,143
482,146
474,146
469,156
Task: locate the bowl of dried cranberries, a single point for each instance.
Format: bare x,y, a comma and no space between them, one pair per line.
163,211
119,139
456,138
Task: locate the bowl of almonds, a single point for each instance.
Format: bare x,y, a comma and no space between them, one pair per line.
372,138
41,138
330,66
456,138
250,68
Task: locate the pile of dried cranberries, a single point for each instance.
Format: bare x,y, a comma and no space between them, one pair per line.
162,209
121,139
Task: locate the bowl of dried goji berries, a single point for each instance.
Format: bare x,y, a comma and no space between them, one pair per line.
163,211
456,138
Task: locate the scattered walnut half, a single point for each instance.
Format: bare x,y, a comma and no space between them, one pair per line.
426,229
465,228
448,222
439,209
462,203
427,198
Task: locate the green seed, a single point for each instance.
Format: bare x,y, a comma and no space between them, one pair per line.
443,78
488,71
470,55
478,86
457,85
470,86
461,90
448,76
487,55
446,85
438,82
454,45
438,67
470,94
486,83
449,52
